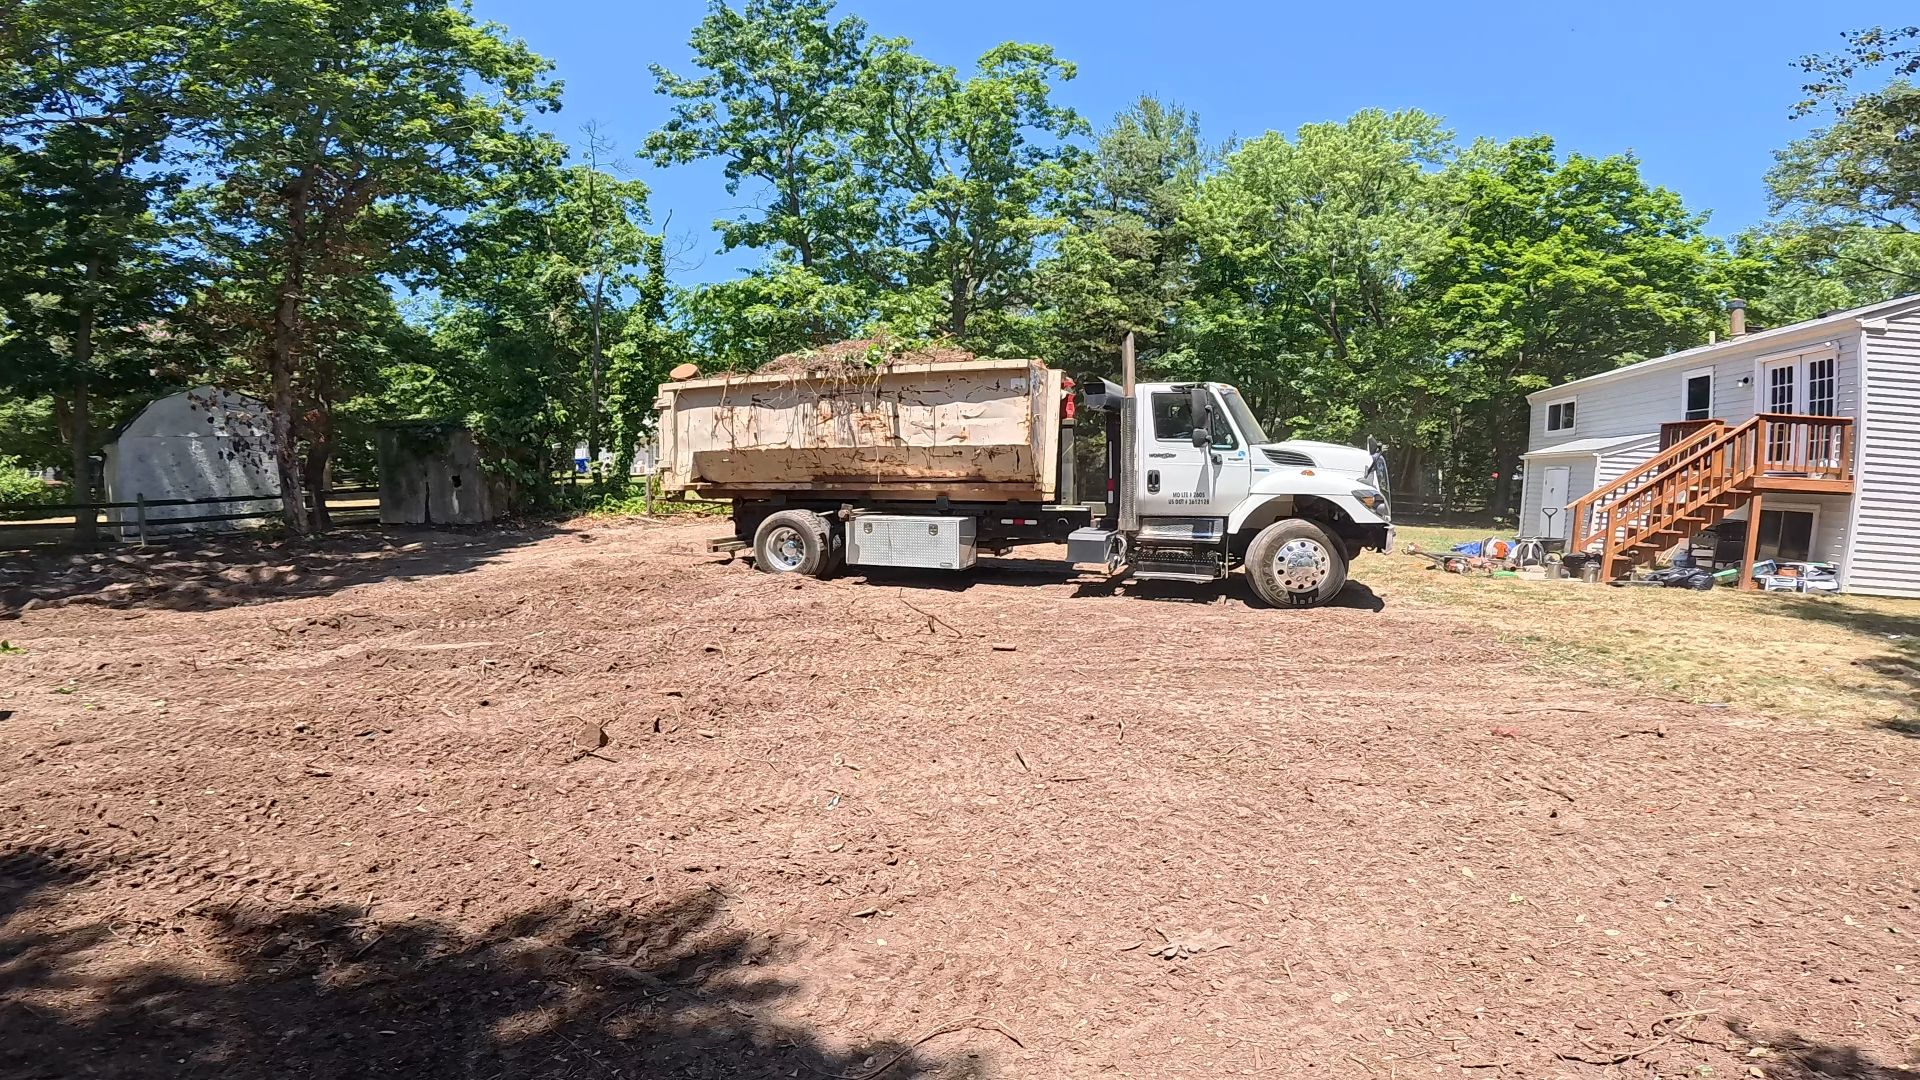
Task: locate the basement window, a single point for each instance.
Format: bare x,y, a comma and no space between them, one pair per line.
1560,416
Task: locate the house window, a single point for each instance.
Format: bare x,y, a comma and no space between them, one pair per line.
1697,399
1560,416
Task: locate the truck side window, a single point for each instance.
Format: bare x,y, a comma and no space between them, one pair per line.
1222,429
1172,418
1173,415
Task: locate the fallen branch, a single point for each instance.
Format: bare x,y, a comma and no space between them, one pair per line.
983,1023
1614,1059
932,618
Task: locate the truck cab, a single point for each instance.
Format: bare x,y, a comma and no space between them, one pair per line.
1207,483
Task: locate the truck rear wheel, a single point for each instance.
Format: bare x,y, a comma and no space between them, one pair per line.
793,542
1294,563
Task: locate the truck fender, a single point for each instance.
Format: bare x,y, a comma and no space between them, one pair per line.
1260,510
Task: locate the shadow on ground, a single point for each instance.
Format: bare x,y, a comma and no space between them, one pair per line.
1792,1056
1898,635
1006,571
206,573
561,991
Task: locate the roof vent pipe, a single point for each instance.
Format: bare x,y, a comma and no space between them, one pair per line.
1736,319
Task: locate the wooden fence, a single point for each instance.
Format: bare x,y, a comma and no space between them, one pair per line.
50,520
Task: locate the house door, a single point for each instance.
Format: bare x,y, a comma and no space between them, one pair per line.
1779,393
1553,501
1786,535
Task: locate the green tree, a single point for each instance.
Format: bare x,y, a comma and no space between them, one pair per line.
344,136
1788,273
968,174
1125,262
774,104
1307,251
557,268
1555,269
89,99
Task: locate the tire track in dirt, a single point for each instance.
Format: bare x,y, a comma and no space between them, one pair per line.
1325,792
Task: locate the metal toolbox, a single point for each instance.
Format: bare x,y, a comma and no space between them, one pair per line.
930,543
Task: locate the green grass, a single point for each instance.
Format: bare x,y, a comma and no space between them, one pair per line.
1816,659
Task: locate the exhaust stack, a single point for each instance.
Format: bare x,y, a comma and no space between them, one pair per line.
1736,319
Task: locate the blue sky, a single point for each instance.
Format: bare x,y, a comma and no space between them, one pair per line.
1699,91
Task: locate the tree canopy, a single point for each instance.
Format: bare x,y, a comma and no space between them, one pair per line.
354,209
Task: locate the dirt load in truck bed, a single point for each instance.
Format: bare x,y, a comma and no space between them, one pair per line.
863,354
593,803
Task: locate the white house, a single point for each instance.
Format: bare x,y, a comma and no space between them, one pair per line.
204,443
1814,425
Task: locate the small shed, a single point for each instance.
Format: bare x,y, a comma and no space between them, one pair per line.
431,474
203,443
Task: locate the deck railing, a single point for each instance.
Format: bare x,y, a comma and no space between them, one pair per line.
1712,472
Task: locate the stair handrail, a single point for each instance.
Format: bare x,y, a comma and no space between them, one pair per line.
1618,485
1709,471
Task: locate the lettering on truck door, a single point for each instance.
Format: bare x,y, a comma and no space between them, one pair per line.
1179,479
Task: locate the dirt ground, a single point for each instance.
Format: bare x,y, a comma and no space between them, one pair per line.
338,810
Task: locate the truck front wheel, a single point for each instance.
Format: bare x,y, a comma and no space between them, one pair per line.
793,542
1295,563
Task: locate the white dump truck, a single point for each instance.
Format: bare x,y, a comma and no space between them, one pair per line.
929,464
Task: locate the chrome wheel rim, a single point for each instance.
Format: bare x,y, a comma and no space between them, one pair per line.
1302,565
785,549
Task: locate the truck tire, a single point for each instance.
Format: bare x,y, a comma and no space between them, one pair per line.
793,542
1295,563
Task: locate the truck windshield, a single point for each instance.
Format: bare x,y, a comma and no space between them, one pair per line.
1242,416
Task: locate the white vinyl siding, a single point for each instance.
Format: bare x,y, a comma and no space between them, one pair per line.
1616,463
1579,481
1641,401
1886,547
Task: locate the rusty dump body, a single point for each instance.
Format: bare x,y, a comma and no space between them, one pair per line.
983,430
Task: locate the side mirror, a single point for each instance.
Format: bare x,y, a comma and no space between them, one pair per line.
1201,405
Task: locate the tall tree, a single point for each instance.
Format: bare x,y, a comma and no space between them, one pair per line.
1307,248
1125,262
90,96
1556,269
1788,272
344,136
551,273
774,104
969,174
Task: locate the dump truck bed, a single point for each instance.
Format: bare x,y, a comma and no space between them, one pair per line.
981,430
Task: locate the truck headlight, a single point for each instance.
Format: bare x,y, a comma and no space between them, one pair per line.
1372,500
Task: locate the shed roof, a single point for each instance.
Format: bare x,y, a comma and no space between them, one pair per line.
1598,445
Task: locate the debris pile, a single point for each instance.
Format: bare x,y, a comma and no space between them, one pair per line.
866,354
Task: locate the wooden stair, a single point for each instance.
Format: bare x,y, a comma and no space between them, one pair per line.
1707,472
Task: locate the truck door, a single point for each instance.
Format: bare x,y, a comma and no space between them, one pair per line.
1179,479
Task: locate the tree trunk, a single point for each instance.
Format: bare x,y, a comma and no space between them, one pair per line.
960,308
595,375
286,450
1506,461
319,478
80,484
284,357
84,529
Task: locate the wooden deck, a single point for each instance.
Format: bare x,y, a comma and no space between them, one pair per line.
1706,470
